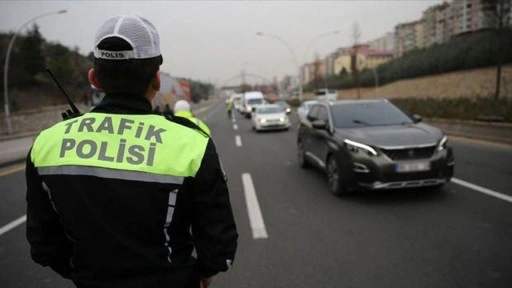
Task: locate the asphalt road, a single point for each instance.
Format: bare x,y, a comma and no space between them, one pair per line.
305,237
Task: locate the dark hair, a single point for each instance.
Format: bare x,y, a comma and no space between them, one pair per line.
124,76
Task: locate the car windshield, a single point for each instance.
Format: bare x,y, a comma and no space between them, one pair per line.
353,115
268,110
282,104
254,101
308,104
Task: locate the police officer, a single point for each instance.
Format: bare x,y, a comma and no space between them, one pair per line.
182,109
229,107
121,197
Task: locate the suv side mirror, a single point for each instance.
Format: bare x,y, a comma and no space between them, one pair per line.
416,118
319,124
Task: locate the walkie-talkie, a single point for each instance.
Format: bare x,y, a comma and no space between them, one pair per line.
70,113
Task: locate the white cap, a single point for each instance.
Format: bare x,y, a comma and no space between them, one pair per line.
137,31
181,105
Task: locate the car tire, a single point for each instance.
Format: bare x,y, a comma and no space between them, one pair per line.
303,161
336,186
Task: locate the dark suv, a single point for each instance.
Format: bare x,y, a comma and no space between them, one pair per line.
372,144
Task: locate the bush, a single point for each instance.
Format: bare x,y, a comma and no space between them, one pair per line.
467,52
458,108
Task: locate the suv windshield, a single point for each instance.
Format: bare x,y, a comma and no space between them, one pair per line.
352,115
254,101
269,110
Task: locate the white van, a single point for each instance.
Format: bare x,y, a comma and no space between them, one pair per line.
249,100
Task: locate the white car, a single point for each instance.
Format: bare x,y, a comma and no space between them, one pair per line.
326,94
303,109
270,117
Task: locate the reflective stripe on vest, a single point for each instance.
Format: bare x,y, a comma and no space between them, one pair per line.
133,147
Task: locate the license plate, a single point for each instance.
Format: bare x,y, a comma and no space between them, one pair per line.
412,167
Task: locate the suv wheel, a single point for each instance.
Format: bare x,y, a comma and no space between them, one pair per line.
303,162
333,177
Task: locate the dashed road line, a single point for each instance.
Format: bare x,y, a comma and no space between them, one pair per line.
238,141
13,224
12,170
253,208
235,126
482,190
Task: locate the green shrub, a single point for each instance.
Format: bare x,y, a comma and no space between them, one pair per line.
467,52
458,108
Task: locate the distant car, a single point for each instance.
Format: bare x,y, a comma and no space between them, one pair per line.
303,109
270,117
236,99
284,106
372,144
326,94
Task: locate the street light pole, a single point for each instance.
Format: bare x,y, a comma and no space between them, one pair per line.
293,54
6,67
309,46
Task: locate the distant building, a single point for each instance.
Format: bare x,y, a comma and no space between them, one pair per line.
366,58
409,36
330,63
384,43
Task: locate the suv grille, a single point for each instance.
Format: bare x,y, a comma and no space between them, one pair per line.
409,153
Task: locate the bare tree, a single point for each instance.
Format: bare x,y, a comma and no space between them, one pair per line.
498,14
318,79
356,34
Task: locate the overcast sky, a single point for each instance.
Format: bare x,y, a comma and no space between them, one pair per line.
215,40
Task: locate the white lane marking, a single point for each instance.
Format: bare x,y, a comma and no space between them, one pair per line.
13,224
253,208
235,127
482,190
238,140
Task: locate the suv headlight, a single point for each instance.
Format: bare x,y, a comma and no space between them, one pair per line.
262,120
443,144
354,146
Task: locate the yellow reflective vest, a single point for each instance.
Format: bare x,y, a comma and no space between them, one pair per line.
141,144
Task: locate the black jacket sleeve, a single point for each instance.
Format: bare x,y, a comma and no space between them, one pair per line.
213,224
49,245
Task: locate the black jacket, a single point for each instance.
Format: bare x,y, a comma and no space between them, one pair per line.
102,232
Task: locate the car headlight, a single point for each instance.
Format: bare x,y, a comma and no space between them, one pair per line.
355,147
443,144
288,110
281,119
262,120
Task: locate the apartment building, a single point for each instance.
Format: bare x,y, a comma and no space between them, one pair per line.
409,36
384,43
366,58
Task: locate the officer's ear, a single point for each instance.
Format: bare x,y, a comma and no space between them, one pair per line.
155,81
93,78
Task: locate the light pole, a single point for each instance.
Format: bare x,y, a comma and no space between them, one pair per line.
6,66
293,55
311,44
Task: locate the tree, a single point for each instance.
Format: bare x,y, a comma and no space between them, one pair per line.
30,54
356,33
498,16
318,79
